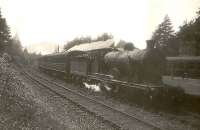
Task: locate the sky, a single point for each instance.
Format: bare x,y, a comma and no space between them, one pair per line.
43,24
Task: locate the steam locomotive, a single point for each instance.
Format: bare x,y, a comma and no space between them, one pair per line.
135,73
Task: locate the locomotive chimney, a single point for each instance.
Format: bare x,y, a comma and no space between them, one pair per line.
150,44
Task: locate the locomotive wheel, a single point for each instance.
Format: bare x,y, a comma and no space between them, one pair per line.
115,89
77,80
102,86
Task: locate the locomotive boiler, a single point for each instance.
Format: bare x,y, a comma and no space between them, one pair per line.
137,65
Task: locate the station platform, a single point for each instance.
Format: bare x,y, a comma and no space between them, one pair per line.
190,86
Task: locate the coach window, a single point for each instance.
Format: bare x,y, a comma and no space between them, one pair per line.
190,65
198,69
198,66
176,66
171,69
181,65
186,65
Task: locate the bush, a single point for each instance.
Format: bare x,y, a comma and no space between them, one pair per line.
12,95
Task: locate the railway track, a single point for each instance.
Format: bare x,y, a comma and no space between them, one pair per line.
118,118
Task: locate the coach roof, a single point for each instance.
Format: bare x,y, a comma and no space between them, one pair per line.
93,46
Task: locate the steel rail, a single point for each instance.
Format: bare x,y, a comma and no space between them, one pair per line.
152,126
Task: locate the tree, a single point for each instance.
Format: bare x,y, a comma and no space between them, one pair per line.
189,34
4,34
77,41
16,47
186,31
82,40
121,44
104,37
125,45
129,46
26,56
16,50
164,37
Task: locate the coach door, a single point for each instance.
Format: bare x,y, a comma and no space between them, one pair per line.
95,66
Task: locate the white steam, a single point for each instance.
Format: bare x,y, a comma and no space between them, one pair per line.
93,87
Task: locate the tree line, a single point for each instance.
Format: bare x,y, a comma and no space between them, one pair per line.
13,46
164,36
87,39
166,39
170,42
5,37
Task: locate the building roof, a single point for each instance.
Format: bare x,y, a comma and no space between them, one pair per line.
93,46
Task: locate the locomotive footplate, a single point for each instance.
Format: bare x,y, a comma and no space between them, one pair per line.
146,93
123,86
109,79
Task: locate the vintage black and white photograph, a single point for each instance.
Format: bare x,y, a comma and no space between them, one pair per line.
99,64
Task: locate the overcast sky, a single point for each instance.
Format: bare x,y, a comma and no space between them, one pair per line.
57,21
